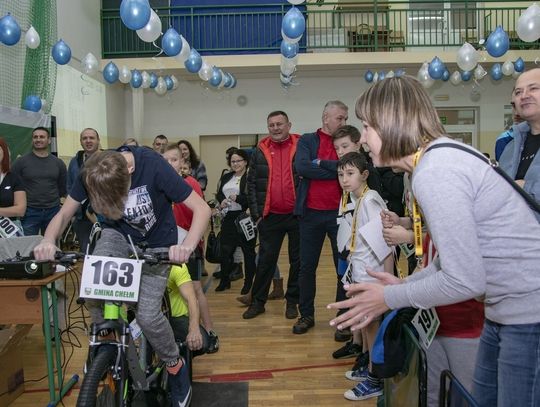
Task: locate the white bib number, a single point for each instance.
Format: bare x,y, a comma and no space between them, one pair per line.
111,278
7,227
426,322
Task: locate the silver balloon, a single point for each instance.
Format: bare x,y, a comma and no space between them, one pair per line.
375,77
508,68
31,38
184,52
528,25
161,87
390,74
89,64
146,81
206,71
479,72
175,82
455,78
296,2
467,57
423,76
288,66
125,74
152,30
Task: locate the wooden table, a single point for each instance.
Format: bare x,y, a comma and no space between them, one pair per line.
27,302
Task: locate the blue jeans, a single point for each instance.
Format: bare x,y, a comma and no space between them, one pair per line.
508,366
36,219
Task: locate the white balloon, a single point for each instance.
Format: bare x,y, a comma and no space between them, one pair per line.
175,82
161,87
286,80
528,26
43,105
390,74
31,38
455,78
291,40
296,2
288,66
145,80
508,68
375,77
124,74
479,72
424,77
89,64
467,57
206,71
184,52
152,30
532,10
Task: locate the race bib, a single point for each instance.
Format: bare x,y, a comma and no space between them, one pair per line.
7,227
426,322
111,278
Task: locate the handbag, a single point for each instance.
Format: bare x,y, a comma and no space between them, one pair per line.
212,253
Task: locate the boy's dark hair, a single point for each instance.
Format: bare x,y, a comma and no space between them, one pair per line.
239,152
353,159
345,131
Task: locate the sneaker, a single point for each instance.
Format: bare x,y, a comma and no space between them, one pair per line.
342,335
253,311
357,375
291,310
363,391
349,350
362,361
180,386
303,325
213,342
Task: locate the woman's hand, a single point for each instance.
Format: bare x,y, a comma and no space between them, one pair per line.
232,197
224,203
397,234
389,218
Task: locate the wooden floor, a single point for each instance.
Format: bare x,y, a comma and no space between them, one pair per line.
282,369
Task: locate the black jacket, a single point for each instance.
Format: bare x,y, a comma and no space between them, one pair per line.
241,199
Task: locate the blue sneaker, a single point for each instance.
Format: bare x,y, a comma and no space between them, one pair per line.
362,391
180,386
357,375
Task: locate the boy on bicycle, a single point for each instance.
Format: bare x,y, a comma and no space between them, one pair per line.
133,189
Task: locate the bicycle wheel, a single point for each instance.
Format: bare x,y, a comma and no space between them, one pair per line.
99,387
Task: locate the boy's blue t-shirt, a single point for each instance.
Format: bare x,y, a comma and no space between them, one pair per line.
148,212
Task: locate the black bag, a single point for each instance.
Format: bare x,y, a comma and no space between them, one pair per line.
213,245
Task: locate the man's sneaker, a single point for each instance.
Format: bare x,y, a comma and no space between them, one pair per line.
291,310
253,311
363,391
180,386
357,375
342,335
349,350
303,325
213,342
362,361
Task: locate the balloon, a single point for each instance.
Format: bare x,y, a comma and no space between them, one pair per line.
496,72
171,42
228,80
135,14
10,32
110,72
136,79
528,25
89,64
161,87
61,53
479,72
436,68
124,75
153,80
233,84
519,65
145,80
32,103
296,2
152,30
293,24
508,68
497,43
390,74
445,76
205,72
31,39
285,80
175,82
400,72
516,74
168,82
185,51
289,50
466,76
382,75
455,78
194,62
216,77
467,57
287,66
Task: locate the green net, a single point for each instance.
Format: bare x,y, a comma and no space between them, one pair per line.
25,71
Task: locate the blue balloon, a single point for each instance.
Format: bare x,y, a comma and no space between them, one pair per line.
446,75
400,72
194,62
496,72
32,103
10,32
111,73
466,76
61,53
169,82
228,80
216,77
289,50
135,14
171,42
233,84
368,76
136,79
153,80
293,24
382,75
497,43
436,68
519,65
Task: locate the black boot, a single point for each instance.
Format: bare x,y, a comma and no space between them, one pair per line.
247,286
224,284
236,272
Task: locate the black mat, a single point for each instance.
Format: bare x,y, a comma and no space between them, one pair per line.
229,394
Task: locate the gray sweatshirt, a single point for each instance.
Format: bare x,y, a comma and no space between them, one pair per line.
487,238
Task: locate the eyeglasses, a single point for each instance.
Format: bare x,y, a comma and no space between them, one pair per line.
237,161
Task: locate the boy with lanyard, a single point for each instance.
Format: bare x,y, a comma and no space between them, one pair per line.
133,189
368,204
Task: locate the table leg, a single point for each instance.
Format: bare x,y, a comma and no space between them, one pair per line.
57,338
48,347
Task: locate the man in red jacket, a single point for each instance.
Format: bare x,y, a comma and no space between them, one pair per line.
271,187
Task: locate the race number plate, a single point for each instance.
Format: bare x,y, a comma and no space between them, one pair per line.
111,278
7,227
426,322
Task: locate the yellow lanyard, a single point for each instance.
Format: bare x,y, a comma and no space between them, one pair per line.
417,219
353,226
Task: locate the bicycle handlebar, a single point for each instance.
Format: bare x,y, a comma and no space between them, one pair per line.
148,258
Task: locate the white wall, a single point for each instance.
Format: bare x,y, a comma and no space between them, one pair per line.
79,26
